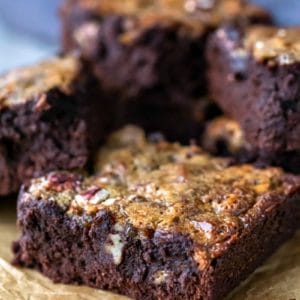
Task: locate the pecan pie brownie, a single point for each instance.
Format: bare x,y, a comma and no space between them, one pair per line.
158,221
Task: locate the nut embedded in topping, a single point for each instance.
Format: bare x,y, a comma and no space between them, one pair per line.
95,195
160,277
115,247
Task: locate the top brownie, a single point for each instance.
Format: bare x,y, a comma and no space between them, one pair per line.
150,43
254,76
158,220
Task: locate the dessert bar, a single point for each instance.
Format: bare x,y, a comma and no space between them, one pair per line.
50,119
254,76
158,221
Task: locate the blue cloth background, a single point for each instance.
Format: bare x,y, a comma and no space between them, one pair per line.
29,29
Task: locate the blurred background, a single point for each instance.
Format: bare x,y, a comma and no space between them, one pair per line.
29,29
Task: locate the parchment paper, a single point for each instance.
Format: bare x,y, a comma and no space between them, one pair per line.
278,279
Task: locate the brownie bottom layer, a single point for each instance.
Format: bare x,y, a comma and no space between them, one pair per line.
157,267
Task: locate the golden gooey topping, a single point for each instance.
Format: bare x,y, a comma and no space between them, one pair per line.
279,45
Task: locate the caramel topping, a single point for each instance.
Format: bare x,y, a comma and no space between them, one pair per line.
166,188
33,82
269,43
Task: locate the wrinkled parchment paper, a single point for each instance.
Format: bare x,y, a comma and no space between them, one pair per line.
278,279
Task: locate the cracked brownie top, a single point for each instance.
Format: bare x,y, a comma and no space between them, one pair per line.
162,187
31,83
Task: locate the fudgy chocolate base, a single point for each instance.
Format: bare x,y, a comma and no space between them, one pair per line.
66,250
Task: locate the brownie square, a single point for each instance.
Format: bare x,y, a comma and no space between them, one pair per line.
137,45
159,220
254,77
50,119
152,54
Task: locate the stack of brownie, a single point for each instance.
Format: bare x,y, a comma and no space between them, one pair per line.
144,211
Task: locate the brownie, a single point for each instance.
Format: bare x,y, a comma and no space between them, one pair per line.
152,54
157,221
225,137
138,45
50,119
254,76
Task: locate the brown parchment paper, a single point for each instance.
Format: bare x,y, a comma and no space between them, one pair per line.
278,279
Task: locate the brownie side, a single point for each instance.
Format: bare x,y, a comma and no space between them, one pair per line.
45,126
273,221
69,252
261,94
95,251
